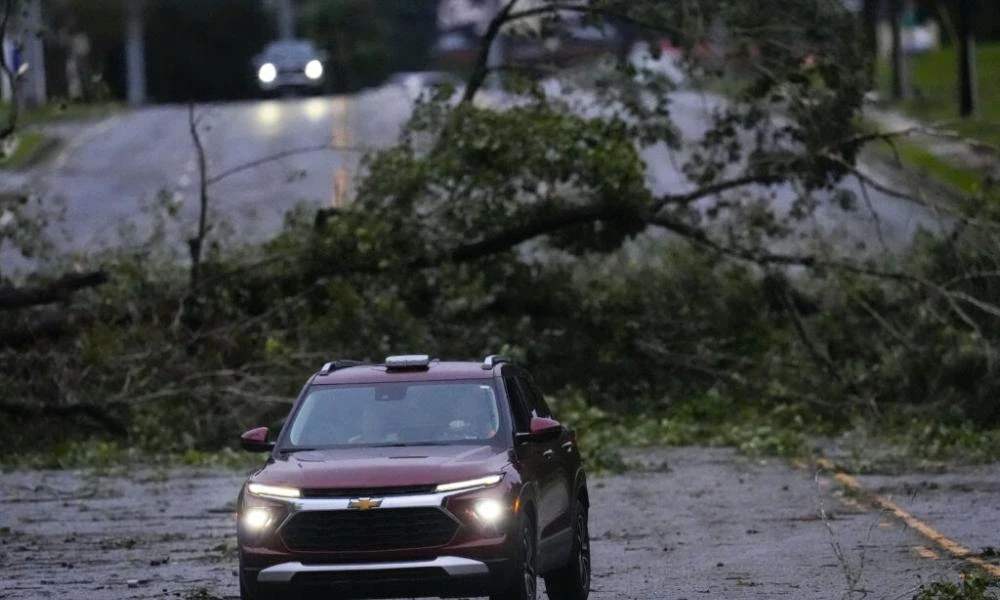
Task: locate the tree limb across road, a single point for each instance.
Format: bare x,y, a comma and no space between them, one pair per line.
13,298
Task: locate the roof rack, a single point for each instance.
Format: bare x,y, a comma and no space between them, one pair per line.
493,360
334,365
408,361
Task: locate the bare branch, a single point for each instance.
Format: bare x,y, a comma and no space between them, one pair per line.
711,190
280,155
542,225
196,243
481,69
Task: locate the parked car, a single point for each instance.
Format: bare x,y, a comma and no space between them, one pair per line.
416,477
291,64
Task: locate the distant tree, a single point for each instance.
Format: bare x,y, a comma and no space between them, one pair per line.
202,51
357,35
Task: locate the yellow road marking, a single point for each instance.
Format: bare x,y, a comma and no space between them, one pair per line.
340,138
949,545
927,553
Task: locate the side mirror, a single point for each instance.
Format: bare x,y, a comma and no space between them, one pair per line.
255,440
541,429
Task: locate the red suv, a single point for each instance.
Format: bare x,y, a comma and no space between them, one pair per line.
416,477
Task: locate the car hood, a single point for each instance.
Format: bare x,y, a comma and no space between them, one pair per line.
366,468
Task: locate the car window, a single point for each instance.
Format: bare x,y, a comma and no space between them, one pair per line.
397,412
290,51
535,399
518,405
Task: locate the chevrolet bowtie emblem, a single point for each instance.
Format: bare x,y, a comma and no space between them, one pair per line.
365,503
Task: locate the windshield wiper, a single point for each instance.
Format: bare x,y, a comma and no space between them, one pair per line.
294,450
404,444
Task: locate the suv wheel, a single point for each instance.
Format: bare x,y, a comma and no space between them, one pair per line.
572,582
524,586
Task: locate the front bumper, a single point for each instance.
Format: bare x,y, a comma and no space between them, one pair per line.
291,80
445,576
452,566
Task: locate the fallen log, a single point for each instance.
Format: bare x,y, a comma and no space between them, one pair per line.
95,413
12,298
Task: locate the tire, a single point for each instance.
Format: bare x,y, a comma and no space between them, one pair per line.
572,582
524,584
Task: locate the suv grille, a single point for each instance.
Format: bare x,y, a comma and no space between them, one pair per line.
380,529
366,492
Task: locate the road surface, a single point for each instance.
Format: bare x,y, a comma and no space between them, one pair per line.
695,523
110,171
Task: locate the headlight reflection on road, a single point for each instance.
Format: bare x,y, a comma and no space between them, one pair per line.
317,108
268,113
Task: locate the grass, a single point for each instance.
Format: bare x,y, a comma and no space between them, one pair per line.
927,163
916,157
29,145
63,111
934,76
973,585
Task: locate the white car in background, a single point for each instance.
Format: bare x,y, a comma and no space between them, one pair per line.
291,65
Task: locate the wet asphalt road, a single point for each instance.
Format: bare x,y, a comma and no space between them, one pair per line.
109,171
698,523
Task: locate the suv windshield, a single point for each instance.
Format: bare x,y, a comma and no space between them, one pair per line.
397,413
290,51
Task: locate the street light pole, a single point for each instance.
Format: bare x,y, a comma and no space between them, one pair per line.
135,53
495,58
33,90
286,19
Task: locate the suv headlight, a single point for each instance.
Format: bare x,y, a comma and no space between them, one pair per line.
256,519
469,484
489,511
273,491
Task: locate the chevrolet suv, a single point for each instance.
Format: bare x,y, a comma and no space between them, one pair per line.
416,477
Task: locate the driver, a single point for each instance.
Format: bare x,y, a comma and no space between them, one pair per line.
472,415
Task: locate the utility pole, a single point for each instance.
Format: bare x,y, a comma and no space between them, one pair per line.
966,59
869,27
494,60
135,53
899,84
33,89
286,18
6,90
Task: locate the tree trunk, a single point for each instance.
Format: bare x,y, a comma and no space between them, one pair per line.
898,60
869,29
966,59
